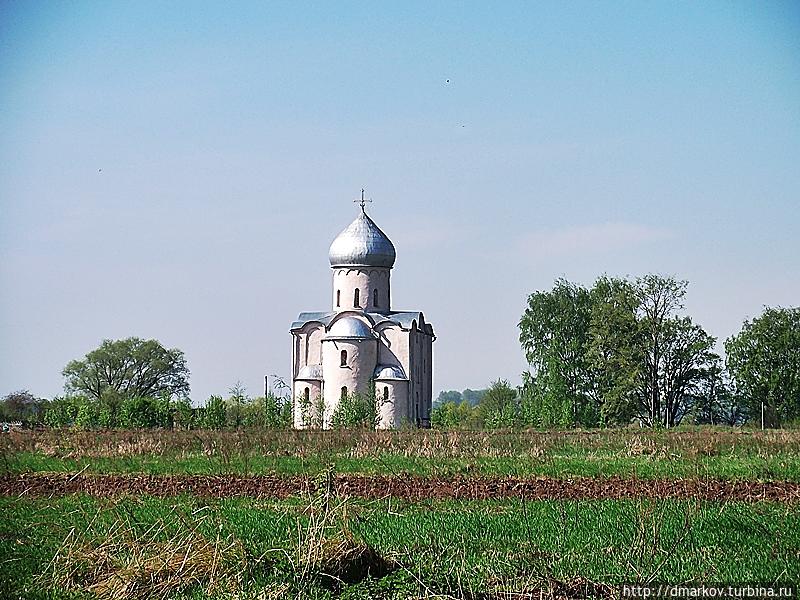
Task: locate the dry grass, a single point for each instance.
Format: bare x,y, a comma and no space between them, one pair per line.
694,442
327,551
123,565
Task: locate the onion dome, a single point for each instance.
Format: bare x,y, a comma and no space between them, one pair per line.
362,244
350,328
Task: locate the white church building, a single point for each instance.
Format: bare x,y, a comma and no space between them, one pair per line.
361,344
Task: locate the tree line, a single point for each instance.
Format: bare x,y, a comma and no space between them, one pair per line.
620,351
624,350
135,383
492,408
137,412
471,397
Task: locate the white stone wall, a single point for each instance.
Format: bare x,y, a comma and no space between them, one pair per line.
362,358
367,279
427,379
391,399
313,345
296,345
393,349
307,349
420,374
411,350
305,408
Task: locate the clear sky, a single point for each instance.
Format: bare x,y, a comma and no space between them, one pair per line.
178,170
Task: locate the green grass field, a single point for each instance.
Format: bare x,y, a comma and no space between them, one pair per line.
473,548
596,465
324,546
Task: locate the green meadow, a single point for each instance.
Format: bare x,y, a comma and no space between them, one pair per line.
321,547
327,546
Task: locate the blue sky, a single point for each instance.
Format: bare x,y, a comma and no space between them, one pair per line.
179,171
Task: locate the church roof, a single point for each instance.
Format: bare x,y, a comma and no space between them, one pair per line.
362,244
384,372
350,328
310,373
308,317
402,318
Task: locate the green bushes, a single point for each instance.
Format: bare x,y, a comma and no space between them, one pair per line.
239,410
454,415
311,410
146,412
166,413
356,410
128,413
213,415
499,408
61,412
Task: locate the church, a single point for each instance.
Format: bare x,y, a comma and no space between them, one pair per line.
362,346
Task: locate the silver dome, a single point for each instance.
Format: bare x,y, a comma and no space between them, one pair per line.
350,328
389,372
362,244
311,373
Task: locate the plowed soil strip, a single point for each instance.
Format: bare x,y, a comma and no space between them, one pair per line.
408,488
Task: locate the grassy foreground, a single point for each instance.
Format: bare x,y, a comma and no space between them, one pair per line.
324,547
704,452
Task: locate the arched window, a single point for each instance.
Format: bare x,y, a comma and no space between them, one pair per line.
305,396
356,300
344,392
338,297
385,393
375,297
344,359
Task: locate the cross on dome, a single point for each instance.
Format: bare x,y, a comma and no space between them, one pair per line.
363,200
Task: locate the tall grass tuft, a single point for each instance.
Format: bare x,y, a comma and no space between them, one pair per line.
327,552
123,564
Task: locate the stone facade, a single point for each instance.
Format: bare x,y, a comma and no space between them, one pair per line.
362,344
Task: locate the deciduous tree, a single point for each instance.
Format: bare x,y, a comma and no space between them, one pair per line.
606,355
499,407
614,349
764,362
22,406
129,368
554,330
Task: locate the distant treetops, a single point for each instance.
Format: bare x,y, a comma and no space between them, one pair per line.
623,350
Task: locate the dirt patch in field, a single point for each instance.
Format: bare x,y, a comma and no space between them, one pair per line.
409,488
